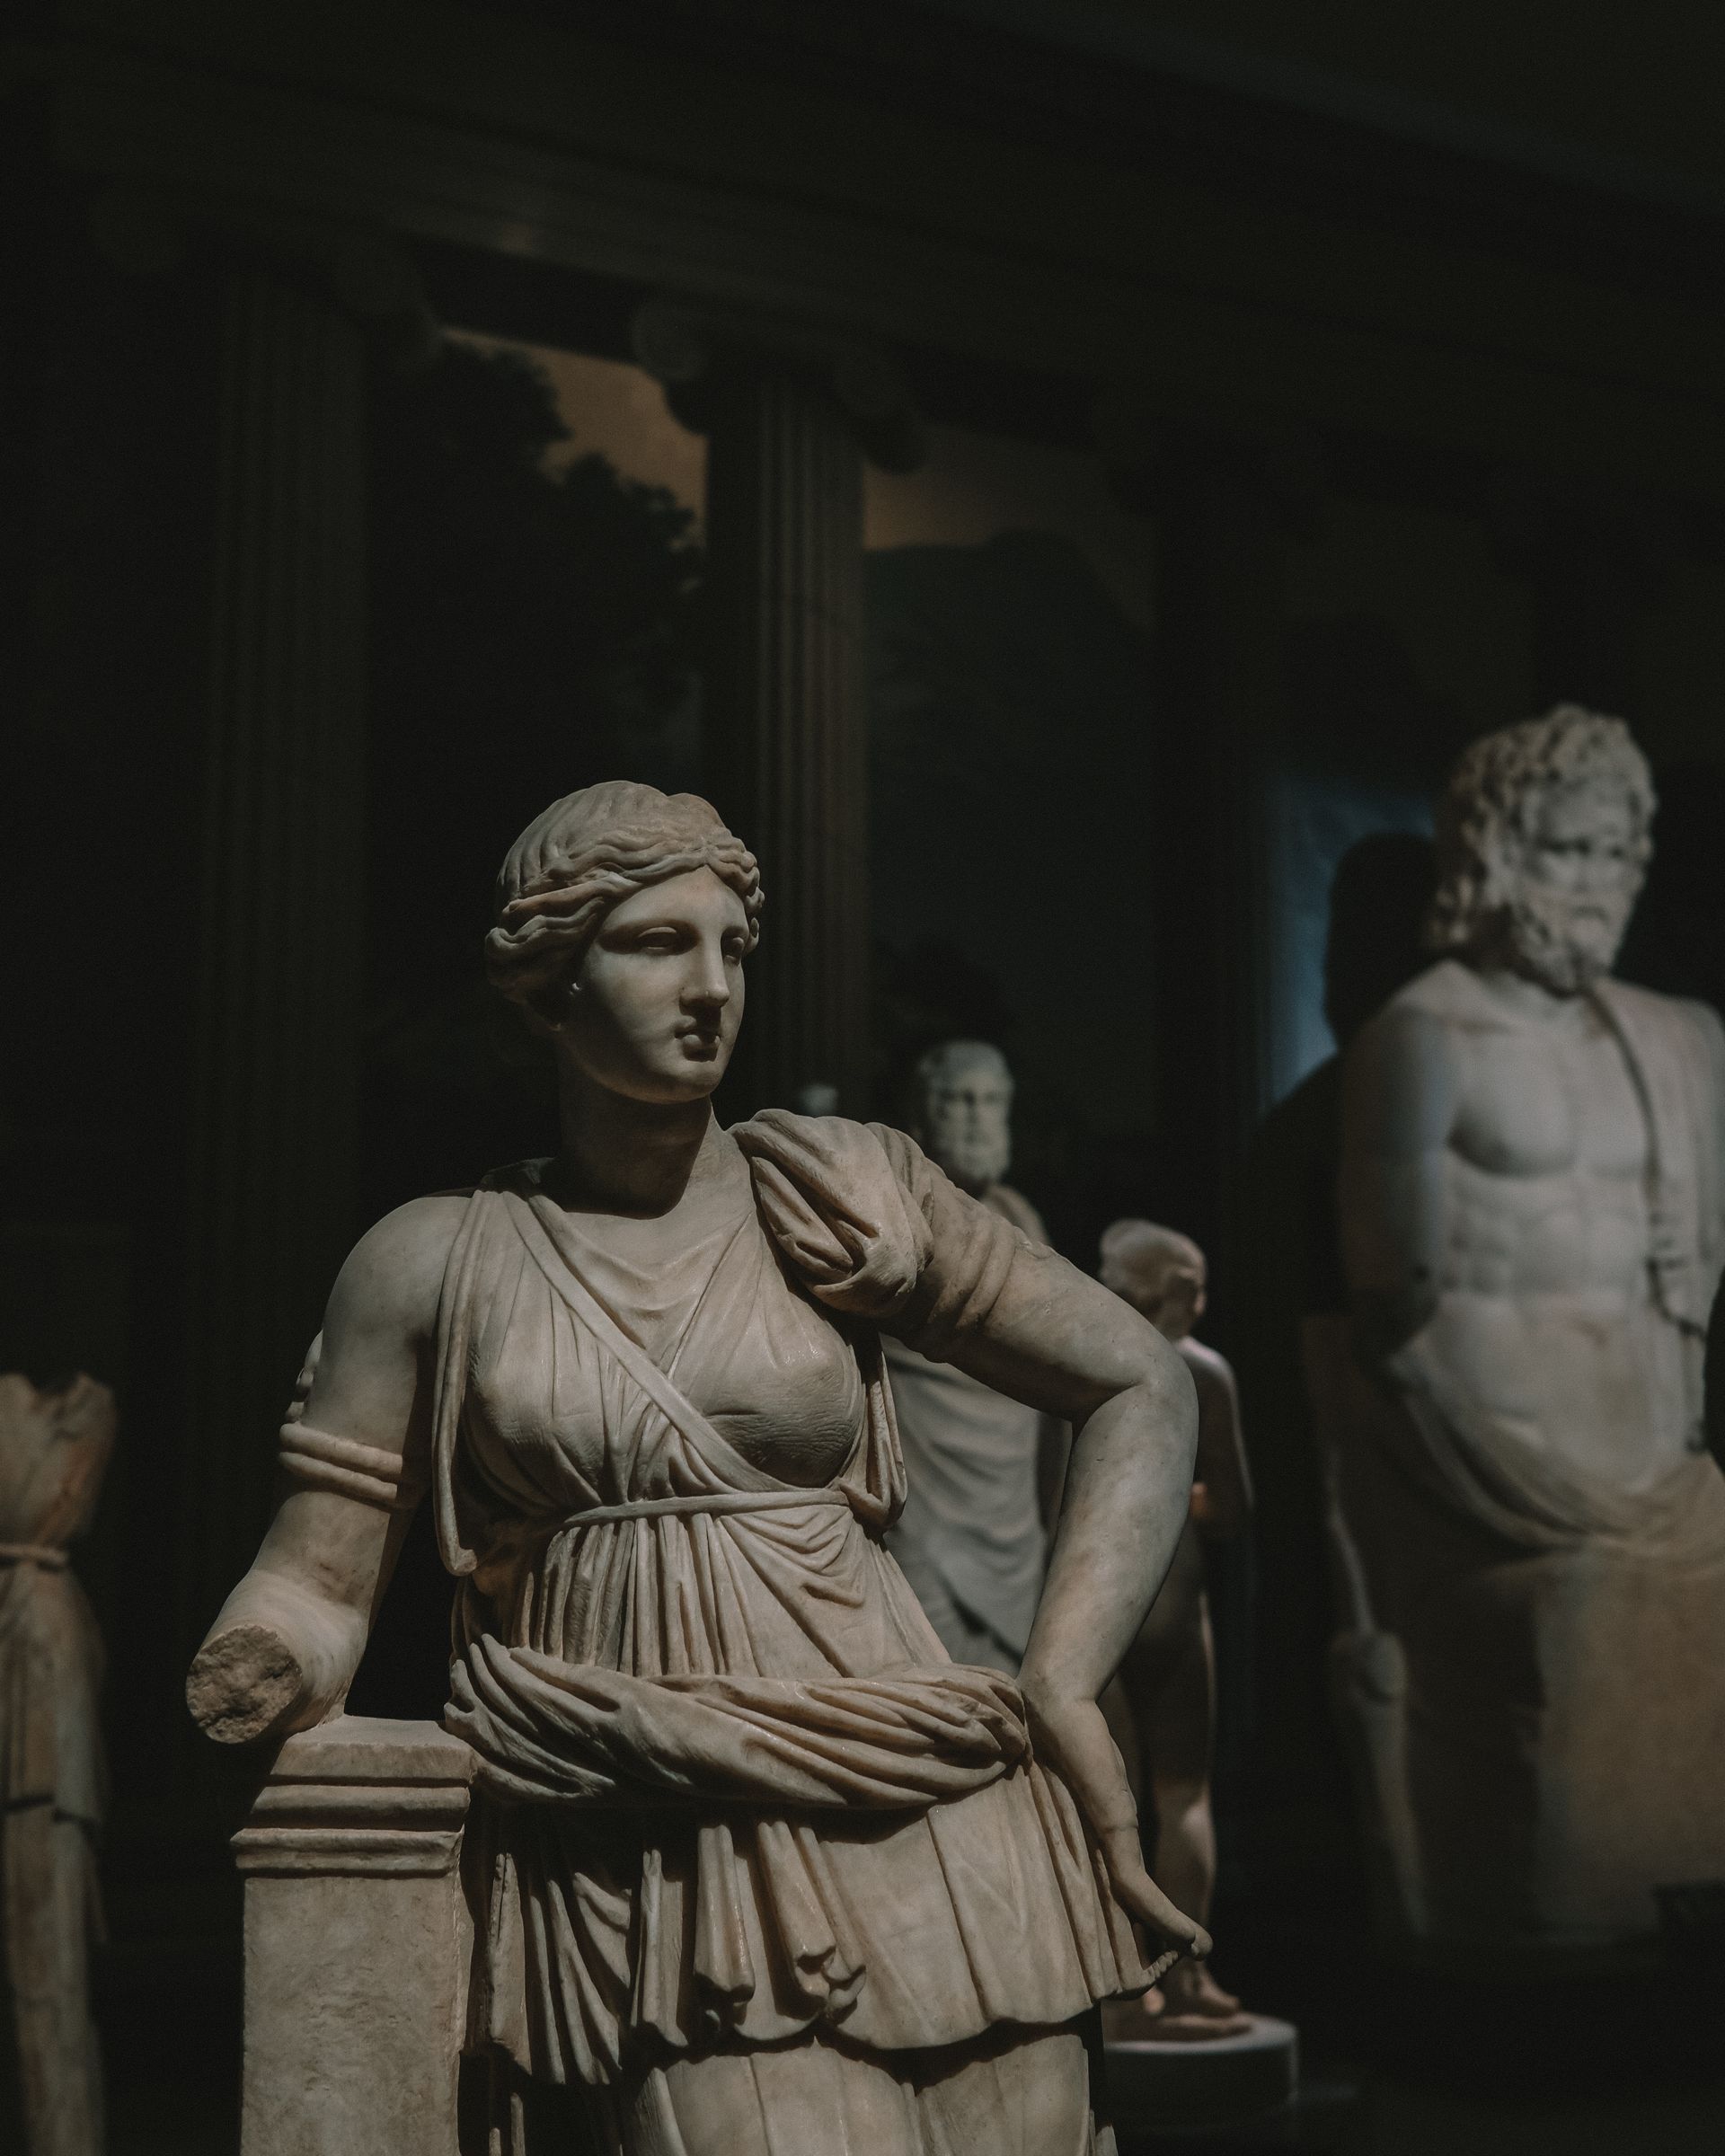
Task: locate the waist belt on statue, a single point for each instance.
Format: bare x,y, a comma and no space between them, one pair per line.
717,1500
33,1553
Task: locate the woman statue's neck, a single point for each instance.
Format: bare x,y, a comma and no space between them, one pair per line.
622,1156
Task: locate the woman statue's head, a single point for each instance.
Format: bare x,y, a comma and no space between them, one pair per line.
623,916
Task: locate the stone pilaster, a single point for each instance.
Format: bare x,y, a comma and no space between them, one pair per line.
275,1113
357,1943
281,870
1225,513
789,415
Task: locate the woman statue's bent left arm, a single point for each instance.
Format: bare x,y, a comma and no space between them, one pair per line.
1062,1343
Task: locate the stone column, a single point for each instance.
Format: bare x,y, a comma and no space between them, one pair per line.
357,1943
789,415
281,873
275,1114
1225,513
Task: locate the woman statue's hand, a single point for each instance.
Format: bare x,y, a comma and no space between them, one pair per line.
1072,1735
278,1658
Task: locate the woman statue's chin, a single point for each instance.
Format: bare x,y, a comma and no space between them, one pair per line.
664,1073
697,1084
672,1081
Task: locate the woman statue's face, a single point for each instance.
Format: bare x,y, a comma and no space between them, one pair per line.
654,1006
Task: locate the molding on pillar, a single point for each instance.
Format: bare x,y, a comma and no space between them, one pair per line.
357,1942
149,232
1467,330
359,1796
686,345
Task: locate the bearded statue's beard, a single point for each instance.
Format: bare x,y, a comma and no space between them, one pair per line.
972,1158
1562,941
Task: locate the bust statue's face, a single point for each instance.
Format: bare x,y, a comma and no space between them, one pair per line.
967,1118
1574,880
654,1005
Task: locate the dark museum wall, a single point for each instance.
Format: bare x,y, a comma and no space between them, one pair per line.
1195,420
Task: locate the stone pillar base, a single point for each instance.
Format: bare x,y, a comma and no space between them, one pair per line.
357,1943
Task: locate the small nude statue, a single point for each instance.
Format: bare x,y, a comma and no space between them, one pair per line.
971,1539
55,1447
1532,1213
1164,1705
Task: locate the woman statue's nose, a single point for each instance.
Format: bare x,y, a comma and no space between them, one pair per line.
711,981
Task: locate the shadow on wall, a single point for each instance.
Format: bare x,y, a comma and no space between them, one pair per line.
1297,1804
1334,838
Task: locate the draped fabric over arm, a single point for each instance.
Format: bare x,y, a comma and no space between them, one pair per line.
927,1262
873,1228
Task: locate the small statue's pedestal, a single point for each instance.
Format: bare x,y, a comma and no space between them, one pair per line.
1170,2088
357,1943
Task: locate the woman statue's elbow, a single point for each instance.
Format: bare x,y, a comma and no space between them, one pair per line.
278,1658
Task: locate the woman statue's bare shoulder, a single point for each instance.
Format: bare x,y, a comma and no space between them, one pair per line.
393,1275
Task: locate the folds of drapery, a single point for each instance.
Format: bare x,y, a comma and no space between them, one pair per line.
1524,1501
548,1730
902,1932
54,1451
731,1786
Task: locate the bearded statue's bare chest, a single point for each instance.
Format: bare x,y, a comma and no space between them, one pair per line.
1549,1101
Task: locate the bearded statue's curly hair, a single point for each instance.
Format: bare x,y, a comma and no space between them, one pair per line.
584,854
1491,798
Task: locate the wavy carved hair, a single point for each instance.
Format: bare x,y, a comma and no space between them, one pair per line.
1491,797
585,854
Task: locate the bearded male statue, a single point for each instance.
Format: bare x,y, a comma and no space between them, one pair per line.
1533,1227
971,1538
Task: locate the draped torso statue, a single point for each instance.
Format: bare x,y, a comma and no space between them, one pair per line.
55,1446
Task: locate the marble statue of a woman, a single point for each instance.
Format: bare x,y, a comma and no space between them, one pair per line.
753,1866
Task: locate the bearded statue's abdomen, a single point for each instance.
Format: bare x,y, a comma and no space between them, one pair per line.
1544,1334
